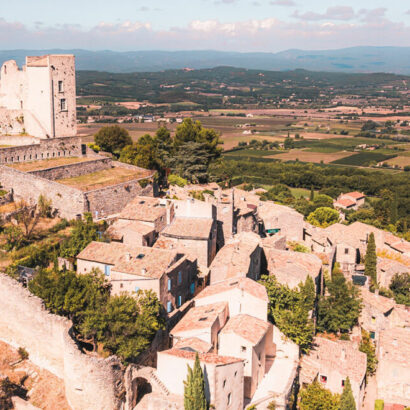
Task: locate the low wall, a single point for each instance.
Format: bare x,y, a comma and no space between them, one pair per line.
74,170
46,148
69,201
91,383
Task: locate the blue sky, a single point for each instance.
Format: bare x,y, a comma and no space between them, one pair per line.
240,25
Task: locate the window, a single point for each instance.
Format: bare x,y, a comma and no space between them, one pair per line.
179,278
169,307
137,289
373,319
372,335
224,383
343,383
243,349
229,398
323,378
60,87
236,373
169,284
192,288
179,301
63,104
346,251
121,285
107,270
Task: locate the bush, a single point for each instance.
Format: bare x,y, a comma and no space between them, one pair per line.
44,206
23,353
112,138
379,404
143,182
177,180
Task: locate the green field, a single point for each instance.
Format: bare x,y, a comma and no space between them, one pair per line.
363,159
253,153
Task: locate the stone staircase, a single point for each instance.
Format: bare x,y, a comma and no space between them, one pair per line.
154,379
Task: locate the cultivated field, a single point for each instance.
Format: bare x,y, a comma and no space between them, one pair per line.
306,156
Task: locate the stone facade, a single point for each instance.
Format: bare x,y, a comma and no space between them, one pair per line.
39,99
90,382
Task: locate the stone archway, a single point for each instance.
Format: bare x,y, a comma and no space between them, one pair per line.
140,386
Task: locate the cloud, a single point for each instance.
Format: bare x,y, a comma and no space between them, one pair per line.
408,12
285,3
332,13
372,15
269,34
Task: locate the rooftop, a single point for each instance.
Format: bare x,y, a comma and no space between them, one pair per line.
248,327
355,194
195,344
210,358
395,345
327,355
378,302
144,208
118,228
189,228
243,284
134,260
105,177
201,317
345,202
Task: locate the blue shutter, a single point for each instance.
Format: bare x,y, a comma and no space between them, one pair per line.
179,277
169,284
169,307
192,288
107,270
179,301
137,288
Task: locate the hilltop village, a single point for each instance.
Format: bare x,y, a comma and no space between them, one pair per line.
244,286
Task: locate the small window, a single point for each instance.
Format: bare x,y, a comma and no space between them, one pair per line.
60,87
179,301
236,373
121,285
107,270
373,319
323,378
192,288
343,383
229,399
179,278
346,251
63,104
243,349
169,284
372,335
224,383
137,289
169,307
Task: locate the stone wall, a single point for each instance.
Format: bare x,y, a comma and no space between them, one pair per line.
74,170
11,121
90,382
48,148
69,201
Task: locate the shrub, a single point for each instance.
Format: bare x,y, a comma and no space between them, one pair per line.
143,182
379,404
44,206
177,180
23,353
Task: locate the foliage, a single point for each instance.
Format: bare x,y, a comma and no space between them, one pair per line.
112,138
323,217
23,353
84,232
298,247
44,206
367,346
316,397
124,325
400,286
194,390
26,216
370,261
14,237
379,404
339,310
347,401
289,309
177,180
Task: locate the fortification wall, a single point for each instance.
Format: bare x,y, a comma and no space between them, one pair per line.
11,121
48,148
69,201
74,170
18,140
91,383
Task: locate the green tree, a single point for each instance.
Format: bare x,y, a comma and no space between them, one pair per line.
322,200
339,310
400,286
194,391
323,217
370,261
367,346
312,194
112,138
316,397
347,401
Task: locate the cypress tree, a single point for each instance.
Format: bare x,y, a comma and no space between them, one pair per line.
312,194
370,262
394,212
194,392
347,401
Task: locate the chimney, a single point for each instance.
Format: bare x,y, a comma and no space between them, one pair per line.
127,256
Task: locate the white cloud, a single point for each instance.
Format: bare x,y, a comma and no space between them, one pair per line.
285,3
332,13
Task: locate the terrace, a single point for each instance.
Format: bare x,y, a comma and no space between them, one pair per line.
46,163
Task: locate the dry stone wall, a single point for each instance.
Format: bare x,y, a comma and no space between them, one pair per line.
91,383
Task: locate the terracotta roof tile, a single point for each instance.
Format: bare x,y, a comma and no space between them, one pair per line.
210,358
144,208
194,343
118,228
355,194
381,303
192,228
345,202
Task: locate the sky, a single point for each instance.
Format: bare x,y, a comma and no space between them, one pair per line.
229,25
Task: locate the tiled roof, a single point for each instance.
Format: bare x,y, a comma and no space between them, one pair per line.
200,317
355,194
144,208
193,228
118,228
341,355
244,284
248,327
376,301
344,202
210,358
394,345
194,343
134,260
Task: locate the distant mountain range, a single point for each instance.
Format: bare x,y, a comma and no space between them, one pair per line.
353,60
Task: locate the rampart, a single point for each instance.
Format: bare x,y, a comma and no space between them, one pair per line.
74,170
46,148
91,383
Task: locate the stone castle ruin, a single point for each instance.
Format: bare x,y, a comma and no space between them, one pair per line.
38,100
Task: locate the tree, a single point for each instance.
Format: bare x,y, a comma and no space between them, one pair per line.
323,217
322,200
112,138
27,216
316,397
347,401
370,261
340,309
312,194
194,391
367,346
400,286
44,206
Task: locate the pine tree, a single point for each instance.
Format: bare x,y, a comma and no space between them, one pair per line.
370,261
194,392
347,401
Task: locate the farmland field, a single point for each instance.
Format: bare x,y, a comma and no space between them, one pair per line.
401,161
362,159
308,156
